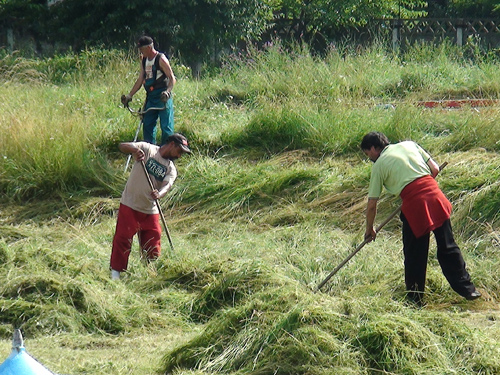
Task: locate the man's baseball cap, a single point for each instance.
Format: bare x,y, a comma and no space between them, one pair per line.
180,140
144,41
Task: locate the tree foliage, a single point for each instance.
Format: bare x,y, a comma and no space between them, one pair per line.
463,8
197,30
205,27
307,20
26,15
478,8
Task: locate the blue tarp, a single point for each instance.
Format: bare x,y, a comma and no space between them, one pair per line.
20,362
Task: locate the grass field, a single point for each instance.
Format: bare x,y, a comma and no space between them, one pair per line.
270,202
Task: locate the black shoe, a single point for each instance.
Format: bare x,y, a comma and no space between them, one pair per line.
474,295
415,298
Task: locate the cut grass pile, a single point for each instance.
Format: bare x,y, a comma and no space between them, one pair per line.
275,326
244,300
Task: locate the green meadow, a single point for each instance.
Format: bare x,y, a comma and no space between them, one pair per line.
271,200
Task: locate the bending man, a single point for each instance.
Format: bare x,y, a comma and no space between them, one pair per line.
158,79
138,212
405,169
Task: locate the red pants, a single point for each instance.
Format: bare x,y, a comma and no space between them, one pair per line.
129,223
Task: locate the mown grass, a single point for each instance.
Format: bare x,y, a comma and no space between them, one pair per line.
269,203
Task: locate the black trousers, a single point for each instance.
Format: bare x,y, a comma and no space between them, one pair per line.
416,253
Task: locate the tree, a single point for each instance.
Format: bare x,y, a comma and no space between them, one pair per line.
472,9
112,23
463,8
206,27
315,21
192,28
198,30
25,17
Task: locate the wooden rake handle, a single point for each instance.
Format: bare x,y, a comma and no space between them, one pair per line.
158,205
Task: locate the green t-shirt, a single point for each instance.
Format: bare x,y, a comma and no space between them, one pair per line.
396,167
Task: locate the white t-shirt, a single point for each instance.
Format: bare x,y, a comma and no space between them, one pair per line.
148,69
137,192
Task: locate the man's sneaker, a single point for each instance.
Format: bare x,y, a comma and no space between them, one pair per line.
115,275
474,295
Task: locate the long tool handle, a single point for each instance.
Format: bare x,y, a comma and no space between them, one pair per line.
141,115
362,244
158,205
135,139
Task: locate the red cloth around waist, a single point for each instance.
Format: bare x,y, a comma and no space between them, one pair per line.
424,205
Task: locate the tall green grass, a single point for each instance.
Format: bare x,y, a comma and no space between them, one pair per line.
270,100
